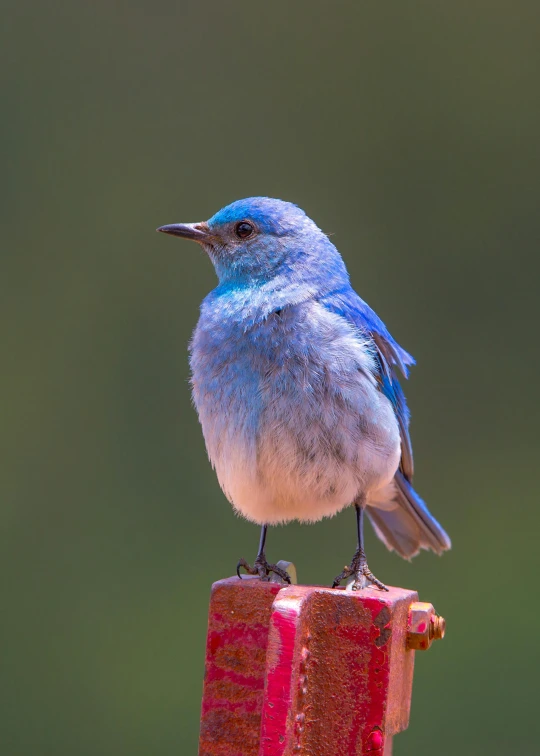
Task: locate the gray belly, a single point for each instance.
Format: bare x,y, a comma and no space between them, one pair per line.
297,432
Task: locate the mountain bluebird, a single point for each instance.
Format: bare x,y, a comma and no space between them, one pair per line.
294,381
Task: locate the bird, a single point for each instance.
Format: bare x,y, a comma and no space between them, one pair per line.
295,382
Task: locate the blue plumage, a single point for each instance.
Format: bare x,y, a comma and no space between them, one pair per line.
295,384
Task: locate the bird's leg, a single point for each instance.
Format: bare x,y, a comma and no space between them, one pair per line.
260,565
359,566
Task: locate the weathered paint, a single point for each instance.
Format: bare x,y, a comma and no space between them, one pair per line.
305,670
339,674
238,626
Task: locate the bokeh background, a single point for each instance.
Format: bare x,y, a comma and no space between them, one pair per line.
408,130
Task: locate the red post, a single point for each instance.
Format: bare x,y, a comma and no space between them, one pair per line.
338,671
238,626
309,670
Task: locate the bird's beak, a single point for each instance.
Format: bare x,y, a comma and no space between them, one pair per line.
198,232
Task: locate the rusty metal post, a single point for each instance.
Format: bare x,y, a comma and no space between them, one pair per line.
339,674
307,669
238,626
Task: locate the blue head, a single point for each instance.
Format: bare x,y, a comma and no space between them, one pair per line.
256,240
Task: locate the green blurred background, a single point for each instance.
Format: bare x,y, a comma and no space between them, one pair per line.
408,130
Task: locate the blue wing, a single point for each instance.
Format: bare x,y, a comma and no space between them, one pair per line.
410,526
389,355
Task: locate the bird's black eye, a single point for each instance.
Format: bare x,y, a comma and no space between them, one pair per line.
243,230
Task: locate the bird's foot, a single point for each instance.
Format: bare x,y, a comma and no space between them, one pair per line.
262,569
361,572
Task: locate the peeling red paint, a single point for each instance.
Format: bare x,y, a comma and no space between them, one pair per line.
238,624
339,675
305,670
280,666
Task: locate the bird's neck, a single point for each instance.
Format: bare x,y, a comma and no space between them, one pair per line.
251,303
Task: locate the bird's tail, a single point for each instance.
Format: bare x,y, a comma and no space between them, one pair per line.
408,526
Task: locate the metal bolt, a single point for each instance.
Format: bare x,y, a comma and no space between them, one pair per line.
425,626
437,627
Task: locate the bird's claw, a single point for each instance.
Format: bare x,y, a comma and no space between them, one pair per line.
246,566
263,569
362,574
